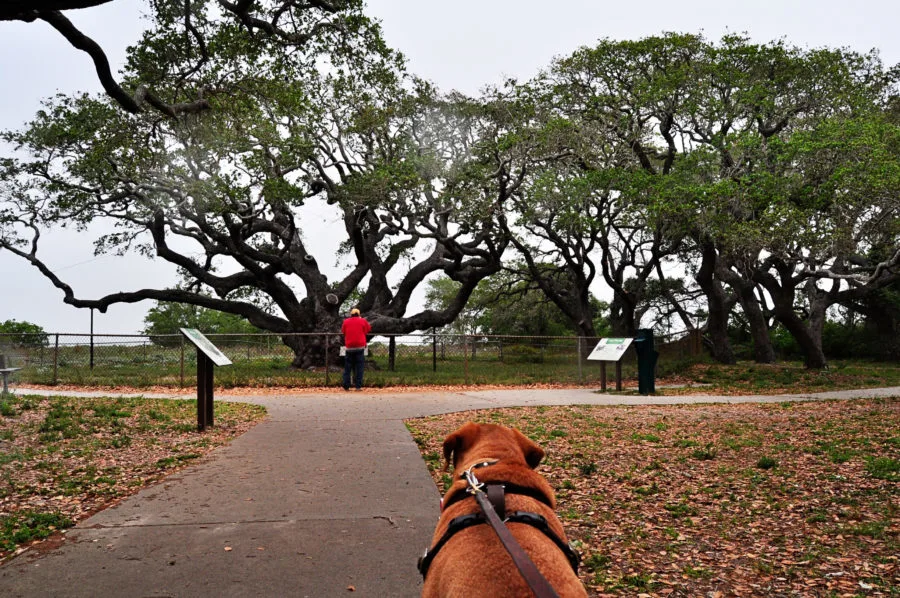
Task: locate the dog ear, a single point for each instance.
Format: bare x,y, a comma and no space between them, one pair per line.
533,453
457,442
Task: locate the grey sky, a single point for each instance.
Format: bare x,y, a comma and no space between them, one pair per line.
461,45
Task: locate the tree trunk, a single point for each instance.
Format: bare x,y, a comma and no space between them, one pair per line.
621,314
763,351
805,335
309,349
310,346
882,321
810,343
719,306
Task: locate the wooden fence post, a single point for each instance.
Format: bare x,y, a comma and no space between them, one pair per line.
619,375
603,376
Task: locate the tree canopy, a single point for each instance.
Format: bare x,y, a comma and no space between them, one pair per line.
186,40
691,178
24,334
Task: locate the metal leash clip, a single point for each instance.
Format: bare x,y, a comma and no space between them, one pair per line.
474,484
469,475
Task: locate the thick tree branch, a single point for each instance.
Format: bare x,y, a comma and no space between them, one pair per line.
27,10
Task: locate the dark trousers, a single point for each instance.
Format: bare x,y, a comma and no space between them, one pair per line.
354,362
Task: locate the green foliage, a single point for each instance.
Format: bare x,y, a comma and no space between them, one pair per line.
707,453
505,305
23,334
766,463
883,468
168,318
25,526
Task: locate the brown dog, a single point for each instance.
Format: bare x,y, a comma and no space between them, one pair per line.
473,562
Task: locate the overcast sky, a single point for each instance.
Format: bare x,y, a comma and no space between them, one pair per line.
462,45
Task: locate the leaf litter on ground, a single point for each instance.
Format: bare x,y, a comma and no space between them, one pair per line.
63,459
778,499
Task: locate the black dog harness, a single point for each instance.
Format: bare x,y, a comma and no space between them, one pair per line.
496,492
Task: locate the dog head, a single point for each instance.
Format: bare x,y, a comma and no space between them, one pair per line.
478,442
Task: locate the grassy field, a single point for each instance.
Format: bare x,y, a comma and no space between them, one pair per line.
791,499
62,459
267,364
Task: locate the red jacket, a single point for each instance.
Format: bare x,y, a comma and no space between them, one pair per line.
355,329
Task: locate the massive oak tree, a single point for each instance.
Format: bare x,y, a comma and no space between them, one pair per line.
412,179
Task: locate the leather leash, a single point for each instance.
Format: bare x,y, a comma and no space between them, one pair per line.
529,571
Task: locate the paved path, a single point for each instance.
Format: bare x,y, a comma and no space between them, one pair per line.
329,493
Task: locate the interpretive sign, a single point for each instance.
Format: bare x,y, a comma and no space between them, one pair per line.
610,349
207,356
204,344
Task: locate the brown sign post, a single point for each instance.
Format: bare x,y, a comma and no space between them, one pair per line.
208,355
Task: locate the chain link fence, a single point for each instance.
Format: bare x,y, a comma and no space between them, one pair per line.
265,360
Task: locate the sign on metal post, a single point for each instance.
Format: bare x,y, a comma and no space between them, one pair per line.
207,356
610,349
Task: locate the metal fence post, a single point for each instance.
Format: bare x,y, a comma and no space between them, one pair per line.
92,338
327,364
392,353
56,360
182,361
466,355
434,350
578,357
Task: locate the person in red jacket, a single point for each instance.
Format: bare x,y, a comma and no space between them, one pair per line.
355,328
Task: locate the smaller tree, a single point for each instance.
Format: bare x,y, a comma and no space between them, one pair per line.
22,334
507,305
168,318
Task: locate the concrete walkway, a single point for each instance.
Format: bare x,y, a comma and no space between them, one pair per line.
327,497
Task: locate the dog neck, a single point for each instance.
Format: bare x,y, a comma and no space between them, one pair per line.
516,479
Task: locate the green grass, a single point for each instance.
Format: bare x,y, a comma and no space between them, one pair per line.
883,468
707,453
23,527
266,362
175,460
766,463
